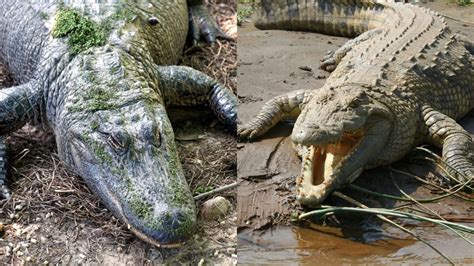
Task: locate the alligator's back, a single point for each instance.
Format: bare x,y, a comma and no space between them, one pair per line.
413,50
25,29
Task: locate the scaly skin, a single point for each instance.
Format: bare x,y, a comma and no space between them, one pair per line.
404,80
106,104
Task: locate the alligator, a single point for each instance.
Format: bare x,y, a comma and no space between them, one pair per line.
99,74
404,78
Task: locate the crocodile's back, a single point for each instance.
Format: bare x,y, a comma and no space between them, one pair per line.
414,53
26,40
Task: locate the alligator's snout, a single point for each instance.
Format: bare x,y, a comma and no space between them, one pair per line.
129,158
169,227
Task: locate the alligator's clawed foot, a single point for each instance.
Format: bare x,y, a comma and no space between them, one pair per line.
203,26
5,192
329,62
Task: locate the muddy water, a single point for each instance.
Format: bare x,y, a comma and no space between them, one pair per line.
272,63
323,246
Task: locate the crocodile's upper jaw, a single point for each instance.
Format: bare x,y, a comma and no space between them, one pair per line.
331,166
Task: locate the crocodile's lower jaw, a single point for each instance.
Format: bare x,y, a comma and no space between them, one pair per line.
322,167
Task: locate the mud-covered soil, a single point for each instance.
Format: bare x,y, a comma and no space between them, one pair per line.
54,218
272,63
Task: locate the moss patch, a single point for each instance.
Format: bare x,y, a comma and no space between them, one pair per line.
140,208
99,99
82,32
95,99
98,150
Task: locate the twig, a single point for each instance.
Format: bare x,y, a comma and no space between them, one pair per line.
217,190
430,184
385,219
398,214
429,209
456,19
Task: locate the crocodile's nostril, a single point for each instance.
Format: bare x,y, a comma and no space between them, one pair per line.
299,136
153,21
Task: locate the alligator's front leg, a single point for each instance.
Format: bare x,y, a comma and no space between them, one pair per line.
202,24
185,86
457,144
286,105
16,108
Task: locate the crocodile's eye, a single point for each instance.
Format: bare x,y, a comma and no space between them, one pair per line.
153,21
119,140
355,103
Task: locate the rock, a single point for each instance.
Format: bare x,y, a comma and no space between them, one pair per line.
215,208
43,239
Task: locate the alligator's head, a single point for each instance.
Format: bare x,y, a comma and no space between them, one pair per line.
114,132
341,131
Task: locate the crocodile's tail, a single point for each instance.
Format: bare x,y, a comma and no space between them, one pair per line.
347,18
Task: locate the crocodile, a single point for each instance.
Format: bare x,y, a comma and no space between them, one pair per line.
100,74
403,79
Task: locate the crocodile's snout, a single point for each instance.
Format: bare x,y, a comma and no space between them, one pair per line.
315,135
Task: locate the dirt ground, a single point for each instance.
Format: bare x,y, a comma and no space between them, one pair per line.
275,62
54,218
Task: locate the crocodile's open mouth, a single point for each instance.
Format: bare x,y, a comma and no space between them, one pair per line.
322,166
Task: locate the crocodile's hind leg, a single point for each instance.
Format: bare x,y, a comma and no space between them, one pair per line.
16,108
457,144
202,25
185,86
332,58
286,105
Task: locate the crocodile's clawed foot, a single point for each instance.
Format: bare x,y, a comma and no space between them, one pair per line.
203,26
329,62
247,132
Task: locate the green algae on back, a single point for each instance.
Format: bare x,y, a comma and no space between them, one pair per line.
82,32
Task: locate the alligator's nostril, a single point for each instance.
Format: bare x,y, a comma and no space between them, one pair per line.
177,226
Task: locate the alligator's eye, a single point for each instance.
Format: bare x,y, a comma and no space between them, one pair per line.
153,21
119,140
156,136
151,134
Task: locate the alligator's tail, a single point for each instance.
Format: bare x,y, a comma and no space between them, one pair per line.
347,18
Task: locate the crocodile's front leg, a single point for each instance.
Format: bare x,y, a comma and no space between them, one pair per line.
457,144
17,105
185,86
202,25
286,105
332,59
